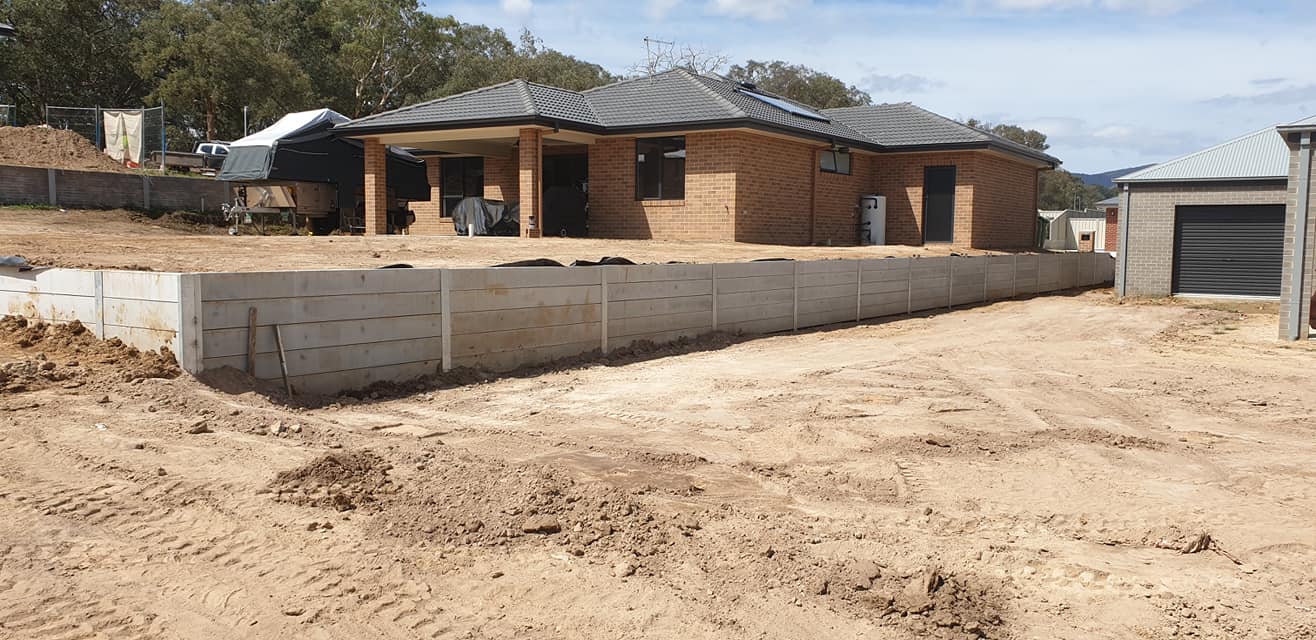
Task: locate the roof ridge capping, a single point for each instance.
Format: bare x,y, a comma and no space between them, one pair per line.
1146,173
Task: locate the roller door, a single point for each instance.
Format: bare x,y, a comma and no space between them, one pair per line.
1228,250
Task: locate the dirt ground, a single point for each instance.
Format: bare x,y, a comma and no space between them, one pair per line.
44,147
1028,469
125,240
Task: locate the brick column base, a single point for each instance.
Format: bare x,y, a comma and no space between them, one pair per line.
376,188
530,184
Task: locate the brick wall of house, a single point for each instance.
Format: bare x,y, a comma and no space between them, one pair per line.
1289,296
1150,212
429,213
1004,211
774,189
501,178
900,179
706,212
1112,228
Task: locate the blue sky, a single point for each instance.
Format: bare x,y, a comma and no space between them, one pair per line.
1113,83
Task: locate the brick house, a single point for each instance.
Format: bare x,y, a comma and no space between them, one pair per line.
1111,207
681,156
1233,220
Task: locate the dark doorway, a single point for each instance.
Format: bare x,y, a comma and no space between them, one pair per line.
566,200
938,204
462,178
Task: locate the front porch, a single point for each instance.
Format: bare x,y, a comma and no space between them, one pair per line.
510,164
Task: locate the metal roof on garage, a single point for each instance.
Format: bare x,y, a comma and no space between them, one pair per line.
1260,155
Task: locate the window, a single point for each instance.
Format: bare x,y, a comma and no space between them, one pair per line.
660,168
835,162
462,178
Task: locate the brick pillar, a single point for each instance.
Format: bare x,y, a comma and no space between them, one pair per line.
530,182
376,188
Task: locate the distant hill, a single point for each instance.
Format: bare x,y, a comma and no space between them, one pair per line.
1105,179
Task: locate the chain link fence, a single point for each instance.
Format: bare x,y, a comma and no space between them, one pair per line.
8,115
89,122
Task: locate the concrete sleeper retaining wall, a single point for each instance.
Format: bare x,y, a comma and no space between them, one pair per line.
346,329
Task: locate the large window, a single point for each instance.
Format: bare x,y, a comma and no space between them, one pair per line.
660,168
462,178
834,161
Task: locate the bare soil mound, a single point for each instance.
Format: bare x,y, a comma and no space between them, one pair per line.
42,146
70,353
342,481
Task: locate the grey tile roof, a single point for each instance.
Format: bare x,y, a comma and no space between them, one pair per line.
906,125
1260,155
679,98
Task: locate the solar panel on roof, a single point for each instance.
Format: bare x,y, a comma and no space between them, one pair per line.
786,106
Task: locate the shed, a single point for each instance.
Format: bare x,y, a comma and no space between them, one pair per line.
1210,223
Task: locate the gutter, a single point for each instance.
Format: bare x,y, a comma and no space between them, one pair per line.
1297,271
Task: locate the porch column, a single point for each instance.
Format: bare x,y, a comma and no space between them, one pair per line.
376,188
530,183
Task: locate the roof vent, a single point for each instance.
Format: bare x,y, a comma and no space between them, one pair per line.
748,85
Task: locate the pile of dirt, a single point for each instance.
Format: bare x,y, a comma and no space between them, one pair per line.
41,146
341,481
927,601
463,499
69,353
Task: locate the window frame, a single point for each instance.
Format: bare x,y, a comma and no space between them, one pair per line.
468,172
836,154
677,192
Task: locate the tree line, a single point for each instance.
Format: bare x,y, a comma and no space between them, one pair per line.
208,59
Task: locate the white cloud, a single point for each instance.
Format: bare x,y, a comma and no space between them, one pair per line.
755,9
520,8
658,9
1153,7
900,83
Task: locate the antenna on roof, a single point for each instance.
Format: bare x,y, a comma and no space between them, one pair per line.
655,52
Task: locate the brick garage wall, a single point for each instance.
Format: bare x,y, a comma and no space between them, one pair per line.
429,213
1150,211
1112,229
104,190
706,213
1004,212
900,179
1289,298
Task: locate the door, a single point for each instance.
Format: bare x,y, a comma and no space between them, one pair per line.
462,178
938,204
1228,250
566,185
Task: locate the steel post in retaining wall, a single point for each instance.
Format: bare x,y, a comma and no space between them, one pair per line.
50,185
98,278
146,192
859,291
950,283
713,276
909,286
795,298
1014,276
603,308
445,319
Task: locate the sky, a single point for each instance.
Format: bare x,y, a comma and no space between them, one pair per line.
1113,83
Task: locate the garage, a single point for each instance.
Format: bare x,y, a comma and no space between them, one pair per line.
1223,250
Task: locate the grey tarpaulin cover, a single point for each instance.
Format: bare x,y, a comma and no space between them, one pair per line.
487,217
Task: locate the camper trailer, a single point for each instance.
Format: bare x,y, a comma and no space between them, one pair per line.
299,173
